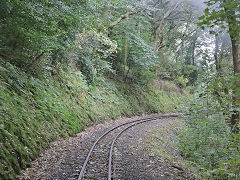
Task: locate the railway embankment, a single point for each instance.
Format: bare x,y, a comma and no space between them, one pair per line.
133,155
36,111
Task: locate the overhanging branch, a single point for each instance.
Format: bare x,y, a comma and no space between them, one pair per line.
123,17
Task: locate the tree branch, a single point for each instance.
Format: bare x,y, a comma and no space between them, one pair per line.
162,23
123,17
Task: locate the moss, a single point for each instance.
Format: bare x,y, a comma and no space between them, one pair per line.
36,111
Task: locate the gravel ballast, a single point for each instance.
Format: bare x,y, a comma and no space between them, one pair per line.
132,159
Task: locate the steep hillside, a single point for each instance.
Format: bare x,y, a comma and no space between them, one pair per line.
36,111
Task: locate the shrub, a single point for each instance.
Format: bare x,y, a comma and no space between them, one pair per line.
206,140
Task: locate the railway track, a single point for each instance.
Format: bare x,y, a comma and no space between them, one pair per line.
120,130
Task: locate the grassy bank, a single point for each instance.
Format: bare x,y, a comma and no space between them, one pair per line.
36,111
163,143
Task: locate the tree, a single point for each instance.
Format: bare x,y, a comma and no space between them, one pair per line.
30,30
225,13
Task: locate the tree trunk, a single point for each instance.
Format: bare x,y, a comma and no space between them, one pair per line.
105,12
217,63
236,90
162,25
234,30
125,57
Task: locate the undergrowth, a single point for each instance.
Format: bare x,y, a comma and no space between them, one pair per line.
207,143
35,111
162,143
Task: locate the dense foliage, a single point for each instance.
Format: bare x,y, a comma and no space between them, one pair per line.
68,64
65,64
35,112
211,137
100,36
207,139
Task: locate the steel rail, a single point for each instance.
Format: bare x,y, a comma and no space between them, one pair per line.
114,141
80,177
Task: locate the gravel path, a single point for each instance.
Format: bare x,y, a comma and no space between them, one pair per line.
133,159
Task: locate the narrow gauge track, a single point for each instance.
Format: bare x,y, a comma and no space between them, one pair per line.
130,125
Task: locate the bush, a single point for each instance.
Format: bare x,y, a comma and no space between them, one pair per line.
206,141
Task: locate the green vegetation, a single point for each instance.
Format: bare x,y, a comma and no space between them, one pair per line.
163,143
210,139
66,64
207,139
37,111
